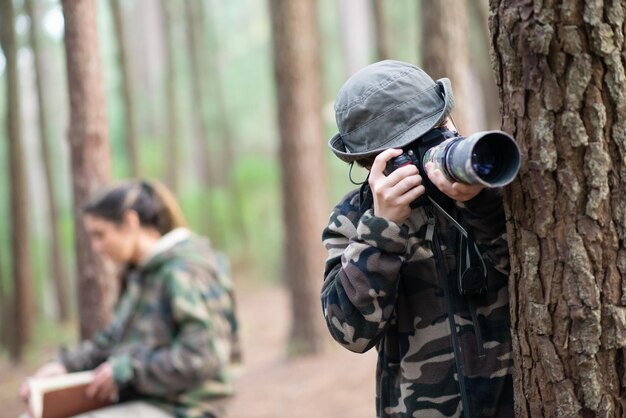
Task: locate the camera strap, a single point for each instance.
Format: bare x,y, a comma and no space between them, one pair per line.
471,268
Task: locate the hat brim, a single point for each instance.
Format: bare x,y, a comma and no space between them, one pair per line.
338,147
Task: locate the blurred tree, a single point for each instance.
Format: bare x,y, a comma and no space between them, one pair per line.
196,47
90,155
356,34
445,54
59,272
228,140
560,72
127,88
304,177
383,48
480,11
171,100
20,322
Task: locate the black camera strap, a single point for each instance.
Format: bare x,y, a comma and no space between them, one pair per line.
471,268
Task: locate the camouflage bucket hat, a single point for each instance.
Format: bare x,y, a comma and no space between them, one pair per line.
387,104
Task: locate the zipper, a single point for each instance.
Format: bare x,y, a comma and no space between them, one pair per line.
443,273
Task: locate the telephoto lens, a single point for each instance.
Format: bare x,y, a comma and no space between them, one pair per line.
490,158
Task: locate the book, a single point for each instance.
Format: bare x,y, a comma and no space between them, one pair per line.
62,396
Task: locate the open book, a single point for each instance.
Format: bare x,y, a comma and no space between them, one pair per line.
61,396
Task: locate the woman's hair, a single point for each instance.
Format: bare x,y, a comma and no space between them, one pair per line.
155,205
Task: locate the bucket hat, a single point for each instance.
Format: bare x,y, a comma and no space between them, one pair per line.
387,104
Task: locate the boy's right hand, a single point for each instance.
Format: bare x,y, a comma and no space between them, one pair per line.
53,368
394,193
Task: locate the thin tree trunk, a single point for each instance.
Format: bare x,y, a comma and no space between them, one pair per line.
228,140
59,272
383,46
445,54
22,278
487,80
90,156
127,88
560,71
356,34
194,38
173,147
298,82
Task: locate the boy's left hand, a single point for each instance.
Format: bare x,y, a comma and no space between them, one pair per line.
460,192
103,386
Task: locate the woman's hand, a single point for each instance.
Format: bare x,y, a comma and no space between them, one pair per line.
394,193
53,368
460,192
103,386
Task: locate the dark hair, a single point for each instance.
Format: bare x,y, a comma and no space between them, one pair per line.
155,205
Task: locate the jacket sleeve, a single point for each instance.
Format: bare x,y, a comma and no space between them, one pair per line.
89,354
199,349
361,276
485,215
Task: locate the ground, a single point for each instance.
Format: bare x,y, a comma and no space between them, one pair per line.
335,384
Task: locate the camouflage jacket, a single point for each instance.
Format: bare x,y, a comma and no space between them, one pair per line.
440,353
174,330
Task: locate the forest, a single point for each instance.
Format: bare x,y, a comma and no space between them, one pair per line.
230,103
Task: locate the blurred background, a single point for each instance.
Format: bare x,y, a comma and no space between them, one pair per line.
205,96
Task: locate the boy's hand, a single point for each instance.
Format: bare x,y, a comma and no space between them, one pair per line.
53,368
394,193
103,386
460,192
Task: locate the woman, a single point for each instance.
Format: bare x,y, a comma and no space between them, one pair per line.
174,333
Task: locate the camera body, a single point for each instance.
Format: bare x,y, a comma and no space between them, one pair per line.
489,158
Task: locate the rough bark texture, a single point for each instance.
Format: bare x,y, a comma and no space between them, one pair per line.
22,301
90,156
383,46
445,53
58,272
302,151
127,88
560,69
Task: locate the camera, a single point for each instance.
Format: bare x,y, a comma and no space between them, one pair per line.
489,158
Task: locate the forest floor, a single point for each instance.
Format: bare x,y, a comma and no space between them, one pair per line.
335,384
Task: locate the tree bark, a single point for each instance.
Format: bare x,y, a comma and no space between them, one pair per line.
383,46
302,150
171,100
445,54
59,272
127,88
90,156
22,300
560,72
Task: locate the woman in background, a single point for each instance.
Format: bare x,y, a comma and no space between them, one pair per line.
168,349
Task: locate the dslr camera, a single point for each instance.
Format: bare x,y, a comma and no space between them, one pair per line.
490,158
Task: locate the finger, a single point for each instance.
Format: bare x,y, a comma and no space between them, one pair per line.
380,162
24,392
411,195
407,183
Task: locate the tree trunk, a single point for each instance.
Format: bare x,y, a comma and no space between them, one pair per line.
194,25
58,271
356,34
560,72
383,46
488,86
228,140
22,278
445,54
90,156
127,88
171,100
302,152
